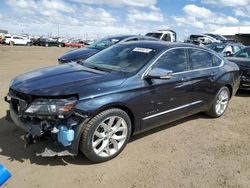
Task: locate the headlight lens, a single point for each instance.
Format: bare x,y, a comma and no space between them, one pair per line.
51,107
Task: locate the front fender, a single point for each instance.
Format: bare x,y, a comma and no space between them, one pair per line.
129,101
94,105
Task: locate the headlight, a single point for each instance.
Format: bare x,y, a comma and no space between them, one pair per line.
51,107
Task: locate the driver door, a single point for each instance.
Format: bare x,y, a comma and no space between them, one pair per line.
167,99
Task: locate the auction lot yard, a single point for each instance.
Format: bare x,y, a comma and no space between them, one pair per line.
194,152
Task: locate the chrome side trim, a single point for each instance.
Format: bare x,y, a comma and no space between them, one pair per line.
152,64
171,110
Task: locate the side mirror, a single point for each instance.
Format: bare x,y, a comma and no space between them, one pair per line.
158,73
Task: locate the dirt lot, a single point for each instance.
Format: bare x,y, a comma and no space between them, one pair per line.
194,152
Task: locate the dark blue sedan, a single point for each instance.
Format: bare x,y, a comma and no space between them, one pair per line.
96,105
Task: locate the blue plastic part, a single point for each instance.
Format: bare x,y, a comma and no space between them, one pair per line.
4,175
65,136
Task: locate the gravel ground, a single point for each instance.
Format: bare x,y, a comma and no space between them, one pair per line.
194,152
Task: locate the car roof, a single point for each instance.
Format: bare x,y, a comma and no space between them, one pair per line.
118,37
161,45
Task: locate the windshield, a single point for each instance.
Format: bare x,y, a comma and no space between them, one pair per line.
155,35
217,47
121,58
104,43
217,37
243,53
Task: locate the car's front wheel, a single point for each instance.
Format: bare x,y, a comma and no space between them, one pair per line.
106,135
220,103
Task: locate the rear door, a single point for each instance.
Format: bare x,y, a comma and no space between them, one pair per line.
167,100
204,70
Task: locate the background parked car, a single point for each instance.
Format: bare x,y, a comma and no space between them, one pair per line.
242,59
82,54
74,43
225,49
201,40
217,37
165,35
50,42
16,40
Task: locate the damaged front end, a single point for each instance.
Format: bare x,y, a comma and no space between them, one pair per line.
48,117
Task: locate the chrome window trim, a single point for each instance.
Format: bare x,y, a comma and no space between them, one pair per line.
171,110
155,61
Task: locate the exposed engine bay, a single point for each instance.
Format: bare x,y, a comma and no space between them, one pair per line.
53,118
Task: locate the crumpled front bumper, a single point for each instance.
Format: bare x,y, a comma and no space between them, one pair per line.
48,147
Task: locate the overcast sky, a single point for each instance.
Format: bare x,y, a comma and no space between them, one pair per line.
108,17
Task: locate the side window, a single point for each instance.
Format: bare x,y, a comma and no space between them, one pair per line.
174,60
216,61
166,37
244,53
236,49
200,59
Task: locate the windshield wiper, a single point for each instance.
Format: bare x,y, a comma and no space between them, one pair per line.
95,67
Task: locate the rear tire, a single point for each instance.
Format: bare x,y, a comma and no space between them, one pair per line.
220,103
106,135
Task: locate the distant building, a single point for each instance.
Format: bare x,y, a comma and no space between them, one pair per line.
240,34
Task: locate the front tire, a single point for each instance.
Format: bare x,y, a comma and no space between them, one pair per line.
106,135
220,103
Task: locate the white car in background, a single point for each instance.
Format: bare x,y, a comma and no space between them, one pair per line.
16,40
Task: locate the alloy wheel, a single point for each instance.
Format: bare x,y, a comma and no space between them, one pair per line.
222,102
109,136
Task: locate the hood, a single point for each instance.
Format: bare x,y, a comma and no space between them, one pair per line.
74,55
240,61
66,79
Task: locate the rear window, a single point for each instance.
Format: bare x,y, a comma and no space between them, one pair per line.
155,35
216,61
200,59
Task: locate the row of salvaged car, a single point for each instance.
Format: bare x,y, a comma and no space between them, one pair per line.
235,52
100,96
44,41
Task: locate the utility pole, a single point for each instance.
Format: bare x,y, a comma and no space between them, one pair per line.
58,29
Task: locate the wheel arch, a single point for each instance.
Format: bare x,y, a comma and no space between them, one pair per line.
230,89
122,107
